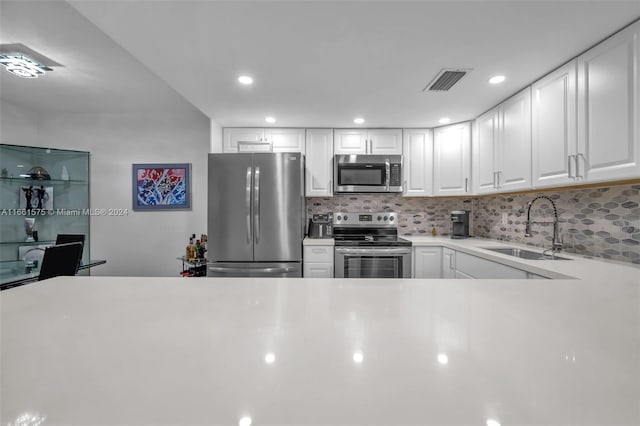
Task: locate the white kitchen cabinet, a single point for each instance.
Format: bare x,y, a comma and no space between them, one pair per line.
427,262
554,127
368,141
318,261
609,109
417,148
477,267
448,263
452,159
281,140
502,146
319,163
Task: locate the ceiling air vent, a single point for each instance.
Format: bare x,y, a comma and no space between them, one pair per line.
445,79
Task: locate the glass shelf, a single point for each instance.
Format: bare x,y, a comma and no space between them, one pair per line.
27,243
41,182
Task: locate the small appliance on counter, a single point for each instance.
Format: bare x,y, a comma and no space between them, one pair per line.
321,226
460,221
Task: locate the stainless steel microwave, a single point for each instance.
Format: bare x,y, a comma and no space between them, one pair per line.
367,173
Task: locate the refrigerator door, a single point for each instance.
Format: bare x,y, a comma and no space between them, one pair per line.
229,224
255,269
278,200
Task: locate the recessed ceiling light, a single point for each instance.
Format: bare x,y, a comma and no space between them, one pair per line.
245,421
444,120
270,119
443,359
358,120
358,357
497,79
270,358
492,422
20,65
245,79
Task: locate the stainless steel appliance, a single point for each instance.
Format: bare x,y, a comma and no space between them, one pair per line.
367,173
321,226
367,246
255,220
460,220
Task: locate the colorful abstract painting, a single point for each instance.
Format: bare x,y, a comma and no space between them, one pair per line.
161,186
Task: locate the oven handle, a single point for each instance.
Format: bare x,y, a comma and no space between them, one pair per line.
387,169
345,250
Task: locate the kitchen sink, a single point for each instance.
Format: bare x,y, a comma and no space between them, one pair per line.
524,254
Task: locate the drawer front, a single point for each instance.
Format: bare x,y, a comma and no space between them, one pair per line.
318,270
318,254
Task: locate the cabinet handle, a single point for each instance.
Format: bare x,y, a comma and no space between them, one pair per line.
569,168
499,173
451,261
466,184
495,185
584,162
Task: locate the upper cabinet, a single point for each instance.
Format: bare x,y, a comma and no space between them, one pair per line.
502,146
280,140
368,141
609,109
586,116
553,129
452,160
417,147
319,163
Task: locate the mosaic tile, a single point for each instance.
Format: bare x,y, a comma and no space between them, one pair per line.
590,225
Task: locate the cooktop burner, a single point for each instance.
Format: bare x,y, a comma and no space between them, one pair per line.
367,229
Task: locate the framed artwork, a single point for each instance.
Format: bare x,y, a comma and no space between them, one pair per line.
161,186
36,197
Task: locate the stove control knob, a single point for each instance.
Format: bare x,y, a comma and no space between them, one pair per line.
379,218
391,218
385,218
346,217
339,217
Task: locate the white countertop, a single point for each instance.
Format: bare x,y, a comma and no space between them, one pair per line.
191,351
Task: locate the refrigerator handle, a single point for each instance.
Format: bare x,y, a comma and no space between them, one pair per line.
248,204
256,205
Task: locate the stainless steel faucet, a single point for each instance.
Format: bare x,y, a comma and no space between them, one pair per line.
556,243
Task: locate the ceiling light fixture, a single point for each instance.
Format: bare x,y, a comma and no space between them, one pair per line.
245,79
497,79
444,120
20,65
358,120
270,120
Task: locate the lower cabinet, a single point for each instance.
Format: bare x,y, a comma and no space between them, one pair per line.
427,262
318,261
442,262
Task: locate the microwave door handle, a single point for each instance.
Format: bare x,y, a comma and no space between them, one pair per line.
387,168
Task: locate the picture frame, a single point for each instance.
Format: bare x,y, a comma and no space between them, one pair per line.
161,186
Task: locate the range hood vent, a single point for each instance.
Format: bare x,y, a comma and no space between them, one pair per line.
445,79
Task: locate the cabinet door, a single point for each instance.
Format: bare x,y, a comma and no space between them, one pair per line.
385,141
319,163
231,137
286,140
417,147
350,141
609,109
554,127
452,163
427,262
484,153
514,143
448,263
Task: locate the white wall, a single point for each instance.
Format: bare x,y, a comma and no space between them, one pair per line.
143,243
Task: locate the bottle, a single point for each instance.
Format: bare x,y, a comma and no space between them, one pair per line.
434,232
190,249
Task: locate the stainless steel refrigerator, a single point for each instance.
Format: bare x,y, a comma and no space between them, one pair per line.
255,218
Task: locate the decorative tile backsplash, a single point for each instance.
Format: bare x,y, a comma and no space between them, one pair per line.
599,222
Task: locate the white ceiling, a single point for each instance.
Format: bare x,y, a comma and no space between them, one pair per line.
315,63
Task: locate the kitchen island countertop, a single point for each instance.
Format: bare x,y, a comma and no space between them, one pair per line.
175,351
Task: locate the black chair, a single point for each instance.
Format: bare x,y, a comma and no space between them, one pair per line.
63,259
69,238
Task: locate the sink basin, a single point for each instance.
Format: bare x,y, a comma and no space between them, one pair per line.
524,254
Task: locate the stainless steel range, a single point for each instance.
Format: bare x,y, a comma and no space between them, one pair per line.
368,246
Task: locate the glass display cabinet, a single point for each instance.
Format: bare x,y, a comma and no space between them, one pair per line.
43,192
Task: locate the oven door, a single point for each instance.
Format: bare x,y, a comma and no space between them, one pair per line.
372,262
